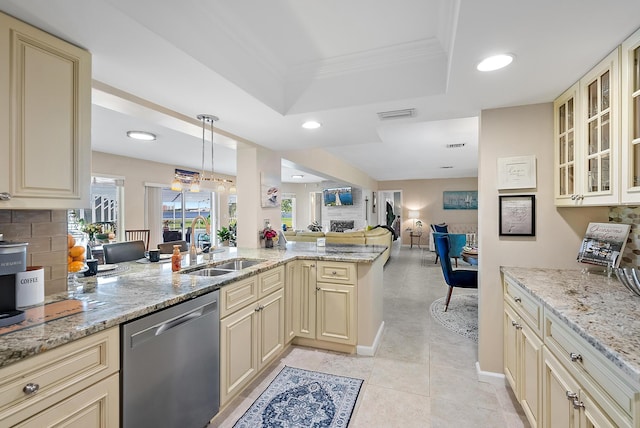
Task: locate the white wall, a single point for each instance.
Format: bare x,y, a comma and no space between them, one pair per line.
523,130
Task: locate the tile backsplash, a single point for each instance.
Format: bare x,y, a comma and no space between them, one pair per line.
629,215
46,233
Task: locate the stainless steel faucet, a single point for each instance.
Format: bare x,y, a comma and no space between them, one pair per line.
193,254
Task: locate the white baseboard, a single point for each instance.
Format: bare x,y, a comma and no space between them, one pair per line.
370,351
490,377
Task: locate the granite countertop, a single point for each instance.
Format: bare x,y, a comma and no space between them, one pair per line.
600,309
136,289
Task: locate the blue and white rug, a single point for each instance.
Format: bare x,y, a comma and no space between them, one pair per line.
461,317
303,398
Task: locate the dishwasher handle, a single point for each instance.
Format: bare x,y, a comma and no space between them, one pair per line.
158,329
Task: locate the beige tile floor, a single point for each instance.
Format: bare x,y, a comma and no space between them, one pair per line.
422,375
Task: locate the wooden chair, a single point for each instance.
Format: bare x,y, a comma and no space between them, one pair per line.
462,278
138,235
123,251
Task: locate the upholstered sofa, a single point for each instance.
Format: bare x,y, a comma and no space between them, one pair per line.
470,229
377,236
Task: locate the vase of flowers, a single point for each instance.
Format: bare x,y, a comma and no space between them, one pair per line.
268,234
91,229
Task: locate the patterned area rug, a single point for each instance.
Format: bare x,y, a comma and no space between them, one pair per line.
303,398
462,315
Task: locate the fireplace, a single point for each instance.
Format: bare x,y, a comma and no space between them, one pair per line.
341,225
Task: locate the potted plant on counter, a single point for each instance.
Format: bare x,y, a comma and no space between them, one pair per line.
224,235
268,234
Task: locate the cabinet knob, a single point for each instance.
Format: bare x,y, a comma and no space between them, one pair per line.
259,308
516,325
317,288
30,388
5,196
575,357
571,395
517,299
334,272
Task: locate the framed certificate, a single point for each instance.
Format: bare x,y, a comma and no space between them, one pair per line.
517,215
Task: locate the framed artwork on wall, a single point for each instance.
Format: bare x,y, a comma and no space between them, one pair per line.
460,200
517,215
517,172
269,190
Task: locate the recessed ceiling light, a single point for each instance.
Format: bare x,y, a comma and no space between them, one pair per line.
446,167
495,62
311,124
141,135
297,176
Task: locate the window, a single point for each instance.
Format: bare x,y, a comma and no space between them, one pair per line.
288,210
179,209
105,196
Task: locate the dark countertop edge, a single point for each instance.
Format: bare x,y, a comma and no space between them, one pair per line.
10,356
607,352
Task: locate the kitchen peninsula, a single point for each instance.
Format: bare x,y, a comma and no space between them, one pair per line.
349,275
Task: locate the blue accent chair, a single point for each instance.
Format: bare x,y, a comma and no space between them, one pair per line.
462,278
439,228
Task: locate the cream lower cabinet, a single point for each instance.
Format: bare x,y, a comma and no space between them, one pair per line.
252,333
324,301
523,362
74,385
45,119
559,379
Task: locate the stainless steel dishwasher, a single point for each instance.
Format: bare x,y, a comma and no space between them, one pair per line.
171,366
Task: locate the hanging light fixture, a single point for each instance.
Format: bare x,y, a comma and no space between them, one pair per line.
192,180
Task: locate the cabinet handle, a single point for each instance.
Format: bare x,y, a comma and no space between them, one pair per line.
575,357
571,395
334,273
317,288
517,299
578,404
5,196
30,388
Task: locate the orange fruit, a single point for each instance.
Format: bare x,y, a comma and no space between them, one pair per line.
76,251
71,241
79,258
75,266
69,259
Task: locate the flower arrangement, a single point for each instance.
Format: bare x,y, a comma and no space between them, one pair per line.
269,233
90,229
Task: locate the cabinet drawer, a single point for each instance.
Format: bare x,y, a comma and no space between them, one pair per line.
58,374
238,295
337,273
271,281
597,375
529,310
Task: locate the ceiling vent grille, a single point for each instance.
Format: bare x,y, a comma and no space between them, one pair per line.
456,145
397,114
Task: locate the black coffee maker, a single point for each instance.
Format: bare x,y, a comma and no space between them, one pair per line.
13,259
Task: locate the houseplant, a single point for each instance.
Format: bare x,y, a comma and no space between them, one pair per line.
268,234
224,235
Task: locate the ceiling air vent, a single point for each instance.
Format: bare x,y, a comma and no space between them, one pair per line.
456,145
397,114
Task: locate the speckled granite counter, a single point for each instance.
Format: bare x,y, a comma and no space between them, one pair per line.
143,288
599,309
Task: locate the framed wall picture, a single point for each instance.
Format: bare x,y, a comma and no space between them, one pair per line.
517,215
269,189
518,172
460,200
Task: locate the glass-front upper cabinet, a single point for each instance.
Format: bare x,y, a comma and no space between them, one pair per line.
598,154
630,76
564,123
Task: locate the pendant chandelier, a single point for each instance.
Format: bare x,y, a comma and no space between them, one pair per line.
192,180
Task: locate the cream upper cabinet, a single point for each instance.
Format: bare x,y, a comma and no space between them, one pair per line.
45,119
565,138
630,112
586,134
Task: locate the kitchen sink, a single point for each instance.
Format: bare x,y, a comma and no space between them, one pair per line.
237,264
223,268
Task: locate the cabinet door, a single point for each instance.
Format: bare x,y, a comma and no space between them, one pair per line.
530,374
600,130
290,280
45,119
304,299
559,391
238,352
630,123
94,407
270,327
511,349
337,317
565,138
592,416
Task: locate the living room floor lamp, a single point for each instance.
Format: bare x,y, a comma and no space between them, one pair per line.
414,214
